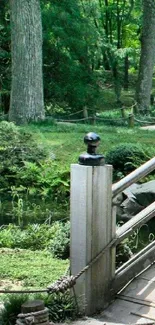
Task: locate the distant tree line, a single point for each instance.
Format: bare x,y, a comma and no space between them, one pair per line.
55,54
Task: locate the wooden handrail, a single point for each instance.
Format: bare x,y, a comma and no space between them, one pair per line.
137,174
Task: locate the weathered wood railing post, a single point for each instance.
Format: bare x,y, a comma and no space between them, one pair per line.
91,227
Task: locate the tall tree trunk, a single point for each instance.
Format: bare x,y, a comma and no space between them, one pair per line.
126,72
147,58
26,103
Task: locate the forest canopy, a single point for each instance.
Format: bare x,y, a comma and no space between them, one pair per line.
83,48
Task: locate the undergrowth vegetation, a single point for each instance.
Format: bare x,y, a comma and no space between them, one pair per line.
62,307
53,237
30,177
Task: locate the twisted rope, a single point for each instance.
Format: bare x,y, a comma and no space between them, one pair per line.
28,321
111,119
34,313
93,118
144,122
32,317
75,120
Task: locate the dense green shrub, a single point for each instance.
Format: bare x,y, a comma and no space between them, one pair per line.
34,237
38,237
45,179
12,307
125,158
16,148
62,307
29,177
61,241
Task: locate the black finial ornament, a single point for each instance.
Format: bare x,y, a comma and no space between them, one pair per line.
91,158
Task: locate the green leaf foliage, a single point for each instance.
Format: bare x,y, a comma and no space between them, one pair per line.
29,177
16,147
69,77
60,243
12,307
126,157
55,238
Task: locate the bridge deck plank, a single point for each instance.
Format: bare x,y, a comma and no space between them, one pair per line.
133,305
136,303
141,289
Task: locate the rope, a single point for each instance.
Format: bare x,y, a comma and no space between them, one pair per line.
66,282
93,118
36,313
76,113
111,119
145,122
28,321
82,110
80,119
35,317
63,284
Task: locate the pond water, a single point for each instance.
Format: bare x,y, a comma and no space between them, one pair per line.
23,211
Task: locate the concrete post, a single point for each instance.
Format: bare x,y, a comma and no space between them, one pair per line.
92,228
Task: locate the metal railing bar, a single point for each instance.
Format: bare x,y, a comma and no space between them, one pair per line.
137,174
134,223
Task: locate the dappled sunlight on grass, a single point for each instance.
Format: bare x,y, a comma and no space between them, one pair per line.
67,142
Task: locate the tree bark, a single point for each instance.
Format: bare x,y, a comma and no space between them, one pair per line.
26,103
147,58
126,72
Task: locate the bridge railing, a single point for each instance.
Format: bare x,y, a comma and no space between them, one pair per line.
146,256
133,177
139,261
93,228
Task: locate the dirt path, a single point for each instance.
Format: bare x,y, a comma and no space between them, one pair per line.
148,127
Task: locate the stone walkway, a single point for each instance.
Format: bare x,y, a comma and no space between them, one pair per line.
148,127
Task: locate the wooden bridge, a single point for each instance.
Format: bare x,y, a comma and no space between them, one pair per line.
127,294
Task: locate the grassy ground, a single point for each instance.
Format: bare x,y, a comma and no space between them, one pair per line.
27,269
66,141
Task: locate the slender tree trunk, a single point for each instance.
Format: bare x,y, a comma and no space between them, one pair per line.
126,72
147,58
118,26
26,102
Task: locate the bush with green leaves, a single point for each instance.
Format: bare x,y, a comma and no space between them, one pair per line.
55,237
125,158
12,307
44,180
29,177
16,148
61,241
62,307
33,237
